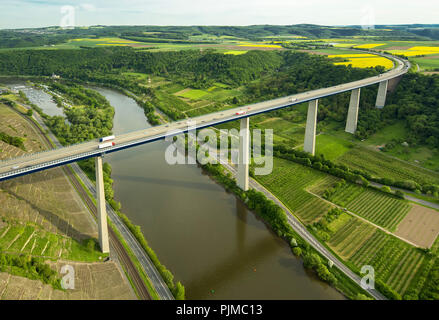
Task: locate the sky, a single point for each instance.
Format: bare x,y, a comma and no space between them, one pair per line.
42,13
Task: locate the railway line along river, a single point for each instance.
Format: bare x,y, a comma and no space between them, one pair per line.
207,238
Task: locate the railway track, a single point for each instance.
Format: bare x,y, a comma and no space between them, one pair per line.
115,244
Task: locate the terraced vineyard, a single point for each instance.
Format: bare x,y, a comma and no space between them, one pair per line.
382,209
380,165
288,182
29,239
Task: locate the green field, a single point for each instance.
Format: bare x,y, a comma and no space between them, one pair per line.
380,165
396,263
193,94
288,182
349,236
378,207
332,147
427,63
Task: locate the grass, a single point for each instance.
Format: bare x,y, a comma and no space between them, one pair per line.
397,130
193,94
427,63
288,181
332,147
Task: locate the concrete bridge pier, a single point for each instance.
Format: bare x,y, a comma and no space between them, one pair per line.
101,207
244,154
351,122
382,93
311,125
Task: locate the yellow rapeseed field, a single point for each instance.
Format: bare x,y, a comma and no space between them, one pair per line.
236,52
367,62
353,55
416,51
369,45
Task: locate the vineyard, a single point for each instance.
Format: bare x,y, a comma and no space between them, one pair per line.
32,240
396,263
350,237
376,206
288,182
380,165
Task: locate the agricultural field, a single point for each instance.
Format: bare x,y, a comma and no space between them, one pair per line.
350,235
332,147
420,226
90,284
363,60
427,63
378,207
381,165
288,182
396,263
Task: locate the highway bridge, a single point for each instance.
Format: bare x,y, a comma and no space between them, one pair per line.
27,164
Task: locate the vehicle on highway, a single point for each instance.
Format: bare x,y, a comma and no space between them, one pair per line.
293,99
106,145
15,167
109,138
239,113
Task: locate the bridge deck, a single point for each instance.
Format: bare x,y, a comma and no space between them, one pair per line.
11,168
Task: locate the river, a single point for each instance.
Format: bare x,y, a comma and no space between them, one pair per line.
205,236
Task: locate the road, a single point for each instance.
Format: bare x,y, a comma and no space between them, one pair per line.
40,161
407,196
306,235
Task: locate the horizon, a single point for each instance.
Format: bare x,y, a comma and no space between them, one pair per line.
223,25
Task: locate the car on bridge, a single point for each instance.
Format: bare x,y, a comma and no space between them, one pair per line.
106,145
109,138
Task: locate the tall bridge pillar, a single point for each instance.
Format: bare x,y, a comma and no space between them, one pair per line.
351,122
382,93
311,124
244,154
101,209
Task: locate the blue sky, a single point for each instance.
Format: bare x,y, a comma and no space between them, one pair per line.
39,13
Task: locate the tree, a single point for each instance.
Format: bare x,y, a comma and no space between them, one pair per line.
179,291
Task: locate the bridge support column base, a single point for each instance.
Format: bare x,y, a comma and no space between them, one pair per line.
244,154
351,122
381,96
311,125
101,207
